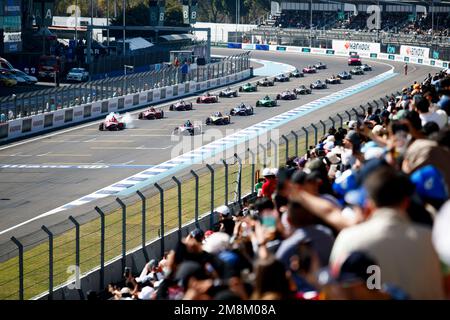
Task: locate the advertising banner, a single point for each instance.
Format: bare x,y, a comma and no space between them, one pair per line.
419,52
362,48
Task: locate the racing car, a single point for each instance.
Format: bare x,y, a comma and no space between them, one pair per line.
113,122
366,67
309,69
318,85
218,119
266,83
151,114
281,78
248,87
354,60
266,102
181,106
242,110
228,93
187,129
333,80
302,90
344,75
320,65
207,98
287,95
357,71
297,74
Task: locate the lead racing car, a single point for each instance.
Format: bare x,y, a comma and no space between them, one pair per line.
248,87
242,110
151,114
207,98
266,83
187,129
318,85
228,93
113,122
366,67
181,106
218,119
287,95
357,71
302,90
266,102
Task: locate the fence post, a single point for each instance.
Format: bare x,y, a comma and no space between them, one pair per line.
264,154
211,216
20,248
376,103
253,169
196,198
286,141
324,127
178,182
161,200
102,247
144,220
77,248
340,119
315,133
296,141
349,115
225,164
333,123
356,112
239,179
362,108
275,151
50,262
306,138
124,232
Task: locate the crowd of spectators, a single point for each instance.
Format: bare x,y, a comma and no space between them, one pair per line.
364,214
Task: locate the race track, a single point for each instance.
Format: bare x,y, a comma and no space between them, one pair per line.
73,154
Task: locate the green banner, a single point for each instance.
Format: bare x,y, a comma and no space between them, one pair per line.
391,57
432,62
306,50
420,60
373,55
406,59
330,51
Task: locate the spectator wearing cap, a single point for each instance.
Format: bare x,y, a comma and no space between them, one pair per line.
352,145
226,222
402,249
270,185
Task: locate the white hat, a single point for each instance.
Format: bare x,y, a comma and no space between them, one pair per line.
146,293
217,242
223,210
274,171
374,152
352,124
331,138
267,172
441,236
378,130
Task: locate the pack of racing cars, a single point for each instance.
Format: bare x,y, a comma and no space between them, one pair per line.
116,122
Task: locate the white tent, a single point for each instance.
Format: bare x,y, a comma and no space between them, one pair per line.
137,43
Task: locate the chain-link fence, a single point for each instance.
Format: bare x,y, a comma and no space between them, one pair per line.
46,259
36,102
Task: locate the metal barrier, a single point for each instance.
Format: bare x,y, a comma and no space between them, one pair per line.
41,262
37,102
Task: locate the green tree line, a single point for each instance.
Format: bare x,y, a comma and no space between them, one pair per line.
222,11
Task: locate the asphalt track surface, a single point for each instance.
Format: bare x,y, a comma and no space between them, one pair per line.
82,160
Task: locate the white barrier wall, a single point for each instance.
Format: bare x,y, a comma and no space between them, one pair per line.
23,127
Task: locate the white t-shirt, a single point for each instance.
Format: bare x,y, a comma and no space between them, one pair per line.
432,117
